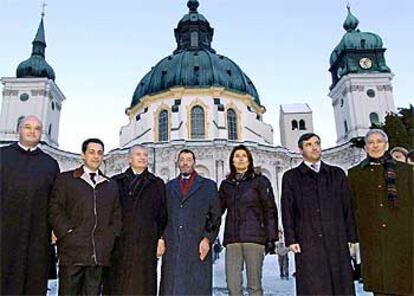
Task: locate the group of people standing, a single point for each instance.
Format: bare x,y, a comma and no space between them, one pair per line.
111,231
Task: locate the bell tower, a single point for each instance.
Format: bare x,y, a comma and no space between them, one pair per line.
32,92
361,89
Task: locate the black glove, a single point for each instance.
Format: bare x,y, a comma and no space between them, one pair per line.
270,248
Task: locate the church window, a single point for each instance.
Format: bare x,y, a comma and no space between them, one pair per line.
294,125
302,125
24,97
49,130
374,118
53,106
163,126
346,126
363,43
371,93
163,78
232,124
194,39
19,120
197,123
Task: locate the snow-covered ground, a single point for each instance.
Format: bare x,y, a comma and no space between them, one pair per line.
272,283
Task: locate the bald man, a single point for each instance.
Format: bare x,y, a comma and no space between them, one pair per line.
26,178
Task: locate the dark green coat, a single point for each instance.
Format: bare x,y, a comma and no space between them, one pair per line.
385,232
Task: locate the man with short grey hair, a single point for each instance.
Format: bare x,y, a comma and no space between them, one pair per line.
26,177
383,197
144,212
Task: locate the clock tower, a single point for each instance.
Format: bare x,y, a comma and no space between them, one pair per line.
32,92
361,89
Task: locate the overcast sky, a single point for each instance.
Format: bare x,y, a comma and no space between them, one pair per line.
101,49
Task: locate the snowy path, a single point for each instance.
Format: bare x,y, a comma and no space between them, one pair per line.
272,284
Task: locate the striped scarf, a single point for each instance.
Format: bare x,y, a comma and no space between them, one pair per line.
389,173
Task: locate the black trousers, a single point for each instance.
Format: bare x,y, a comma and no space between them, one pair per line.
80,280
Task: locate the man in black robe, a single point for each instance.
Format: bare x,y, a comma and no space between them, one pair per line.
27,177
318,223
144,216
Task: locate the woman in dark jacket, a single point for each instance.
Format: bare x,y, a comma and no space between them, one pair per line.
251,222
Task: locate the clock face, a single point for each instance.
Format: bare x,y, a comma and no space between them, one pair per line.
365,63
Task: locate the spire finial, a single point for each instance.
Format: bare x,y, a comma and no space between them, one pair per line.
44,4
351,22
193,5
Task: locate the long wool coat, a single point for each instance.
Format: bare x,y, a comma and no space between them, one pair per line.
190,219
385,232
26,182
144,216
317,214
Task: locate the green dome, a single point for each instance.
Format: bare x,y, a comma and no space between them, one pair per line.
194,64
355,39
36,65
198,69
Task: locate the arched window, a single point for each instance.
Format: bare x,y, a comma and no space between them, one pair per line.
346,126
18,122
374,118
163,126
294,125
302,125
197,123
49,130
232,124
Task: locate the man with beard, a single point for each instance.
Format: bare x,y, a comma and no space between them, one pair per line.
144,216
318,223
194,216
27,177
383,192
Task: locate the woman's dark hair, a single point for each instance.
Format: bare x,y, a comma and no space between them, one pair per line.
250,168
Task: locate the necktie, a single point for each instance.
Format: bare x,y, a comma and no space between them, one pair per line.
93,175
314,167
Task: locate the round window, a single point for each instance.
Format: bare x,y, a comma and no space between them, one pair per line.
24,97
371,93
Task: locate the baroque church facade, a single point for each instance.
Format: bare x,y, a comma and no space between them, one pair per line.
198,99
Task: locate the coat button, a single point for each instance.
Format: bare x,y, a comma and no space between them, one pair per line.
181,227
320,235
371,170
318,210
181,206
384,225
379,186
381,205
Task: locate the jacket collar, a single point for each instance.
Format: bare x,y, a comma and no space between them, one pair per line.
19,147
304,169
129,173
78,172
198,180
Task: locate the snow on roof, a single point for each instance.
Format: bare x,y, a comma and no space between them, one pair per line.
295,108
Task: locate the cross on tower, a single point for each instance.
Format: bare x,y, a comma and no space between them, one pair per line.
43,8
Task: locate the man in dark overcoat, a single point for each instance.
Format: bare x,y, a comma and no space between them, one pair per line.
383,192
27,177
318,223
144,216
85,215
194,217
